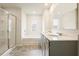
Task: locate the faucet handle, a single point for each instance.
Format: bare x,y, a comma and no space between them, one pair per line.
60,34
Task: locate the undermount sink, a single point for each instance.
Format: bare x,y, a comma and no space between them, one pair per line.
60,34
53,35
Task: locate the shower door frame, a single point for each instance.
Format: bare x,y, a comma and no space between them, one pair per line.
15,29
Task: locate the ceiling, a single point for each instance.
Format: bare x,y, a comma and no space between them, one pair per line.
28,7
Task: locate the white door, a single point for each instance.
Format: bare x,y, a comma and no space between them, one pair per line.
33,26
12,27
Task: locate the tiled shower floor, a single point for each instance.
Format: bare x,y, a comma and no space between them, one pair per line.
27,50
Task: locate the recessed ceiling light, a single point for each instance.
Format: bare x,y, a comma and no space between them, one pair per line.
34,12
46,4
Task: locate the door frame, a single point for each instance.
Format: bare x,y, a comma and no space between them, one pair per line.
15,28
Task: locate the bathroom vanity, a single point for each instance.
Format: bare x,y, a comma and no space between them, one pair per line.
54,45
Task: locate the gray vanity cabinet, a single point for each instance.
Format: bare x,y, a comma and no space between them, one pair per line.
63,48
59,48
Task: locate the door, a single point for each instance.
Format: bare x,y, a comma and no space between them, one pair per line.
12,27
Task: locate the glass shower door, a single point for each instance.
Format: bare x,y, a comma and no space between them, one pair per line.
12,27
3,32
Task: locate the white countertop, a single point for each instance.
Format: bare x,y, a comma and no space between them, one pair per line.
51,37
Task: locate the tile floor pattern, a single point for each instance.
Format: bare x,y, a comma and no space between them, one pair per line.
27,50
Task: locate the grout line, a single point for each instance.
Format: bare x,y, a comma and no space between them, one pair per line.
7,52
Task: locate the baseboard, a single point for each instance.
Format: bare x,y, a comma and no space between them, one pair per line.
8,51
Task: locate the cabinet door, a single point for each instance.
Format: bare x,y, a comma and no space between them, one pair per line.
3,32
63,48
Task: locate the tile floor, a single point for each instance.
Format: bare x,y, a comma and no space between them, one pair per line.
27,50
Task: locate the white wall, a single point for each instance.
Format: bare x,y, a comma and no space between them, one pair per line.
23,24
46,21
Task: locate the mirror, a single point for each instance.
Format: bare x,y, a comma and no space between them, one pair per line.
69,20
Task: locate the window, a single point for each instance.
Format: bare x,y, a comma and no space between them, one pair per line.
55,23
34,25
